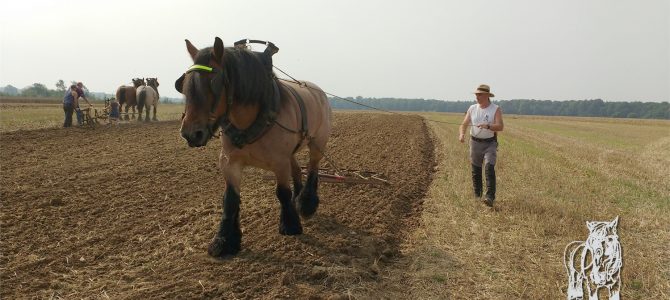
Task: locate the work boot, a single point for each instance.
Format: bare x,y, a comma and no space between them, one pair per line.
477,180
490,184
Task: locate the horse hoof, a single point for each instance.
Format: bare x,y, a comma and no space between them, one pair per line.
307,206
154,119
290,230
220,248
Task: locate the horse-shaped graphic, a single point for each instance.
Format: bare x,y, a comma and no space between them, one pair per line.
264,121
147,96
127,95
598,264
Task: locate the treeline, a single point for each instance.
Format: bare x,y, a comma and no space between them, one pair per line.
39,90
582,108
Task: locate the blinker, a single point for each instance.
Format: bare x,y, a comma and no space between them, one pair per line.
215,84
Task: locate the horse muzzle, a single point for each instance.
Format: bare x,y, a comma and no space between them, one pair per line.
196,137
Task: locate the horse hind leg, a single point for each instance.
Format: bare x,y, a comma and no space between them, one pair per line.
140,108
289,222
126,116
308,199
155,119
296,175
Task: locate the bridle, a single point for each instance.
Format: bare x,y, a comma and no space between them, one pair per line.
216,85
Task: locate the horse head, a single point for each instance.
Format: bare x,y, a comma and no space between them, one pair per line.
137,82
219,75
153,82
603,243
202,85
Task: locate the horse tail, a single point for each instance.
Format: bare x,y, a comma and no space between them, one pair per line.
121,95
142,98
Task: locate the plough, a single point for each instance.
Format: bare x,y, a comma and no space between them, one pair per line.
345,176
92,116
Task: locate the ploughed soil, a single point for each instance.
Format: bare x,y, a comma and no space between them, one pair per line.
128,211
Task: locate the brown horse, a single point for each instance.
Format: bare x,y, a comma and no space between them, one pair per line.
265,122
126,94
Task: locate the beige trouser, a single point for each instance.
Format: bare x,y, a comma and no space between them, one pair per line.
483,151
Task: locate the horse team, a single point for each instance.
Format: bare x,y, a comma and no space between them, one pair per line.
143,94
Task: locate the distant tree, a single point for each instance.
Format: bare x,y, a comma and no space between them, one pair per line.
36,90
10,90
592,108
60,85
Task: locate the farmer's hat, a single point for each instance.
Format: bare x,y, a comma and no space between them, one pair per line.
484,89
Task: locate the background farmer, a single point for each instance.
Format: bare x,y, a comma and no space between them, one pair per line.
80,94
114,112
486,119
69,100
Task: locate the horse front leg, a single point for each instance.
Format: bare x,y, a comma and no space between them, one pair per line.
615,287
308,199
229,237
289,222
146,119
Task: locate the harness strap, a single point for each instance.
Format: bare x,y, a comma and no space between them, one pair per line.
303,115
266,118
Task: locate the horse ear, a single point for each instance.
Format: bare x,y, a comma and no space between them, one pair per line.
615,222
192,50
218,49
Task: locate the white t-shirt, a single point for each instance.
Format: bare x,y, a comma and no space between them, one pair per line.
480,115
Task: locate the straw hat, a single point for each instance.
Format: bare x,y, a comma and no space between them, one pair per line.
484,89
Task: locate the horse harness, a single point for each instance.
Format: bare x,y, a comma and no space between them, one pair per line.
304,134
263,122
266,118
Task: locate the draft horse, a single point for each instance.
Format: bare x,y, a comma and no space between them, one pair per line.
264,121
153,82
147,96
127,95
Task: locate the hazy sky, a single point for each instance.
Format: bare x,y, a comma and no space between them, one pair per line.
617,50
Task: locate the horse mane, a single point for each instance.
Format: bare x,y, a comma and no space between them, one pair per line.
247,74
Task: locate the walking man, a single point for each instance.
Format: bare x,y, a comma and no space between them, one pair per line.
69,102
80,94
485,120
